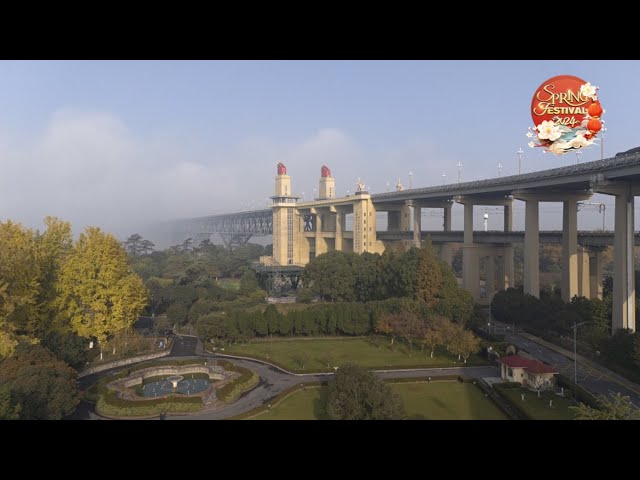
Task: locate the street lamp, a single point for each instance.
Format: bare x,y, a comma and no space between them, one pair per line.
578,155
575,348
520,152
410,177
459,170
499,169
444,175
604,129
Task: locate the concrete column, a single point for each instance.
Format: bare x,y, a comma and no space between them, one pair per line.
531,249
569,249
417,225
446,253
595,274
624,297
500,272
509,275
468,223
490,271
508,218
447,219
321,243
471,270
339,229
470,258
584,286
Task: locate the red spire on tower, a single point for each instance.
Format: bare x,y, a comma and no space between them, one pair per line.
282,170
325,172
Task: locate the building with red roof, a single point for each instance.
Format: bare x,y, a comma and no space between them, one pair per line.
527,371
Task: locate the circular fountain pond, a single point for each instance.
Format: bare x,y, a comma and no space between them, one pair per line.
184,384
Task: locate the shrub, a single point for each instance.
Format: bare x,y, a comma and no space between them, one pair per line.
232,390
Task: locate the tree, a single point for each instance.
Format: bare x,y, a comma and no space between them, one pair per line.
331,276
99,293
357,394
428,277
20,276
248,283
41,386
468,344
617,407
133,244
67,346
433,334
54,247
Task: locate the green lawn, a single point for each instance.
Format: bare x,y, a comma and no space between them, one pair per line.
307,404
538,408
447,400
231,284
322,354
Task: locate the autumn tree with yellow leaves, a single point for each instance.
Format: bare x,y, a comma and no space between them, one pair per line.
98,292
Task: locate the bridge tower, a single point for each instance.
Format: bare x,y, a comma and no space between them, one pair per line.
284,219
327,184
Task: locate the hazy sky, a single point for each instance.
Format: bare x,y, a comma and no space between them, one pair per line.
123,143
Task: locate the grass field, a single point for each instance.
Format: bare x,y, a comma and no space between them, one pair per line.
322,354
231,284
538,408
447,400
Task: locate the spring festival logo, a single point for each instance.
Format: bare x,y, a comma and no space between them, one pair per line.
566,115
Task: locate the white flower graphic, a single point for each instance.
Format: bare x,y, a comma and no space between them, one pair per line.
548,130
559,148
588,91
579,141
529,134
531,144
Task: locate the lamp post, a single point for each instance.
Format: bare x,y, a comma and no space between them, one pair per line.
459,171
575,350
499,169
410,177
578,155
444,175
520,152
604,129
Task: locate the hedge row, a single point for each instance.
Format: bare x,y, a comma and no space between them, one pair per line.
440,378
232,390
580,393
112,405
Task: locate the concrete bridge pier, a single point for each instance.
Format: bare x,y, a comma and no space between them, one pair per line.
624,292
595,271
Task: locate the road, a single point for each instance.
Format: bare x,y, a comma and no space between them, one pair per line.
593,377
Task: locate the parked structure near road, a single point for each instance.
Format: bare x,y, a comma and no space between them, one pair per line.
528,372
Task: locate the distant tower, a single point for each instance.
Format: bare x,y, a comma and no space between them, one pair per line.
283,182
327,184
283,218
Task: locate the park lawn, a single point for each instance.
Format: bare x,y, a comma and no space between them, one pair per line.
322,354
307,404
230,284
538,408
446,400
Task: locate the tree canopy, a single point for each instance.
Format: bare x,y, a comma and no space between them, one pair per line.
99,293
357,394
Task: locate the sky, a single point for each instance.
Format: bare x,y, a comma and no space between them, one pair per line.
122,144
